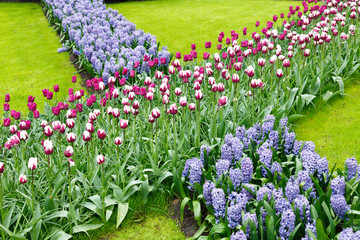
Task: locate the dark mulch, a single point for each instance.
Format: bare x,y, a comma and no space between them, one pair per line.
189,226
85,75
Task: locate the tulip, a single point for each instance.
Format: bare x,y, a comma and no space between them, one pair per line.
307,52
279,73
69,151
73,79
6,107
32,164
22,135
199,95
250,71
118,141
123,123
22,179
71,162
89,127
70,123
48,131
2,168
100,159
237,66
235,78
116,113
86,136
178,91
286,63
173,109
221,87
261,62
192,106
197,86
207,44
36,114
109,111
48,147
13,129
101,134
223,101
155,113
7,98
56,88
126,109
43,123
183,101
71,137
151,119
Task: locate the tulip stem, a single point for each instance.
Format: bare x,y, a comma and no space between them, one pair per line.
103,192
197,141
2,205
32,192
70,202
175,146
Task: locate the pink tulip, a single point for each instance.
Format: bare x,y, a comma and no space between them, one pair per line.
155,113
183,101
100,159
165,99
116,113
178,91
118,141
6,107
235,78
221,87
71,162
286,63
199,95
124,124
71,137
48,147
22,179
36,114
7,98
32,164
70,123
279,73
173,109
69,151
223,101
101,134
22,135
307,52
151,119
126,109
261,62
2,168
89,127
86,136
73,79
13,129
48,131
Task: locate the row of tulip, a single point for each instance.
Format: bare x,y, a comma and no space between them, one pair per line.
96,152
104,40
262,183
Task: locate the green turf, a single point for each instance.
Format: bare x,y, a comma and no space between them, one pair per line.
334,127
179,23
29,61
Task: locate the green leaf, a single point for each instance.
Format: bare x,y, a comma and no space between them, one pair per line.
218,228
86,227
122,212
182,208
320,230
292,235
197,211
61,235
270,227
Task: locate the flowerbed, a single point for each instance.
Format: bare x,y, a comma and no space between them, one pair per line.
264,184
104,40
88,154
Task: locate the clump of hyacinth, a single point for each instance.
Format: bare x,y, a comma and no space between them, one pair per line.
234,215
218,202
232,150
349,234
289,141
260,194
309,227
338,203
322,167
292,190
235,176
246,191
287,224
193,169
297,146
222,166
204,148
247,169
338,185
240,133
276,167
303,205
281,205
268,124
274,139
351,165
247,218
239,235
304,176
265,156
309,160
207,191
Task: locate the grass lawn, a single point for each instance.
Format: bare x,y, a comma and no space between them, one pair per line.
29,61
334,127
179,23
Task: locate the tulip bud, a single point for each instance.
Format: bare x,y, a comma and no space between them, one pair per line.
48,147
199,95
183,101
70,123
173,109
151,119
69,151
155,113
13,129
2,168
86,136
116,113
118,141
109,111
178,91
307,52
223,101
235,78
136,104
124,124
101,134
89,127
100,159
22,135
71,137
279,73
71,162
197,86
22,179
48,131
32,164
126,109
192,106
221,87
286,63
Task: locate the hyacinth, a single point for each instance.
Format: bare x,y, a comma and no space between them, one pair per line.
309,146
202,149
235,177
283,124
348,234
268,124
322,166
222,166
252,134
207,189
309,227
228,138
338,185
265,156
287,224
274,139
309,161
276,167
193,169
246,170
289,141
226,152
292,190
218,202
239,235
351,164
303,205
277,193
297,146
303,176
240,132
234,215
232,149
281,205
260,194
249,217
338,203
249,195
